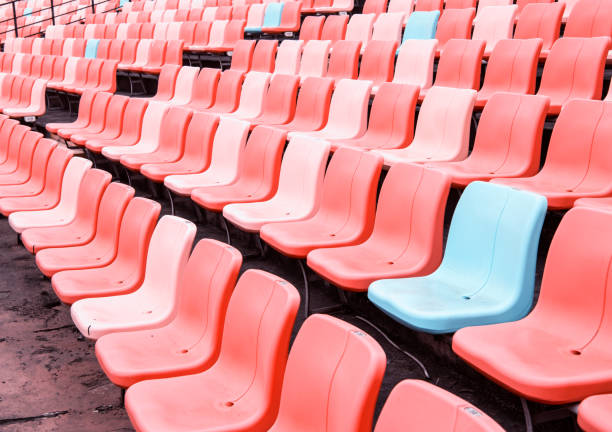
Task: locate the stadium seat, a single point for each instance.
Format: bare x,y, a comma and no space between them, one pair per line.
335,28
421,25
556,354
494,23
32,174
335,370
227,95
594,413
112,122
226,159
415,63
77,175
418,404
257,181
407,235
131,124
312,107
391,123
454,24
170,144
388,27
442,131
488,280
242,55
314,59
401,6
302,169
377,62
348,112
574,69
344,60
84,114
17,167
153,303
197,152
512,68
205,289
92,48
507,141
345,215
429,5
98,117
239,392
359,28
577,157
95,194
252,96
289,20
279,102
186,79
205,89
255,17
540,20
35,105
288,57
311,28
589,19
263,56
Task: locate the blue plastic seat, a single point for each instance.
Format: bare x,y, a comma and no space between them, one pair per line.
27,11
488,270
272,17
91,49
421,25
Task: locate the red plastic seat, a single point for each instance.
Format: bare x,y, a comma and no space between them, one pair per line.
311,28
419,405
344,60
454,23
346,212
407,235
334,28
507,141
153,303
206,286
574,69
258,179
391,122
98,116
279,102
228,92
84,114
590,18
557,354
594,413
332,378
95,195
125,272
204,89
35,102
577,160
102,249
112,122
31,175
374,6
130,127
226,159
263,56
241,391
242,56
429,5
540,20
511,68
171,141
17,167
299,188
290,19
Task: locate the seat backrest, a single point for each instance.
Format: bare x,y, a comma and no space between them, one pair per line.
160,30
454,24
228,146
512,66
205,88
166,83
312,107
590,18
388,26
253,93
199,140
261,310
482,4
420,405
332,379
377,61
279,102
444,121
255,16
335,27
574,69
459,4
359,28
509,135
421,25
272,16
240,12
494,23
228,91
374,6
460,64
349,105
415,62
242,55
487,251
187,32
540,20
263,56
402,6
314,58
103,47
344,60
429,5
311,28
56,166
91,48
115,51
288,57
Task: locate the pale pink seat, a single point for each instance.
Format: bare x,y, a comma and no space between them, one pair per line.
185,84
387,27
442,131
315,57
299,188
415,62
66,208
359,28
288,57
348,112
149,138
225,163
153,304
37,104
494,23
252,96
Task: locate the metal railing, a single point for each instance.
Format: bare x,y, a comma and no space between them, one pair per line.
54,15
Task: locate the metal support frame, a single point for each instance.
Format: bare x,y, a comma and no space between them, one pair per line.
170,200
527,414
225,226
